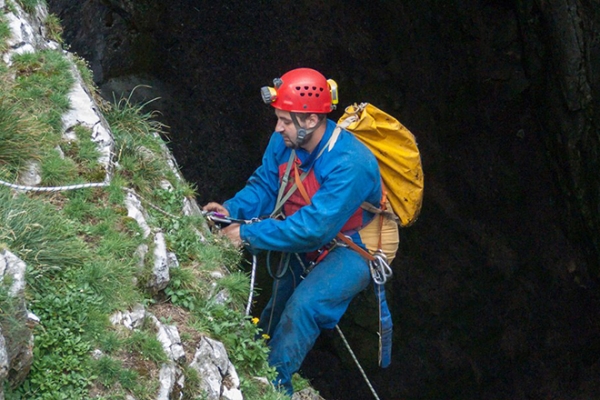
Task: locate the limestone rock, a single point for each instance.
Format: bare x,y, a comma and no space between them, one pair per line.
137,212
213,366
307,394
168,377
31,174
160,271
168,335
13,267
3,360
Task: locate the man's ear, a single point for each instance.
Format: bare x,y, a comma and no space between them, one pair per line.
312,121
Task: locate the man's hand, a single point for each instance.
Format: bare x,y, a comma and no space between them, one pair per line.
232,232
216,207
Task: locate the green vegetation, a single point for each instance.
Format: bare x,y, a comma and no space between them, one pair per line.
21,136
54,28
29,5
4,34
79,247
31,107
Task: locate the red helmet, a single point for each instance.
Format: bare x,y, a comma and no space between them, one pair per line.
302,90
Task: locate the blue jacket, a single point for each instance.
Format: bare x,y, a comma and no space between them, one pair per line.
348,175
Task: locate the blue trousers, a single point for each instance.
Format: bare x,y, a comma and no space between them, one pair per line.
300,308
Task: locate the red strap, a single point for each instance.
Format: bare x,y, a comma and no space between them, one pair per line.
340,236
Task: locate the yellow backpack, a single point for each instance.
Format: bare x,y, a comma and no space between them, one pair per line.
397,153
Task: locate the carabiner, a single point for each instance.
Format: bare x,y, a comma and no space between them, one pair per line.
380,269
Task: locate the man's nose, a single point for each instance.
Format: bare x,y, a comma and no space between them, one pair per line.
279,127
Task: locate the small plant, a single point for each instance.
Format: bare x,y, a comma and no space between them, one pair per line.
241,337
111,371
146,346
127,118
85,72
12,322
54,28
180,296
83,150
183,289
110,342
40,236
299,382
237,285
192,383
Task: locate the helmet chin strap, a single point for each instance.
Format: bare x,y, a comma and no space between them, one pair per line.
302,133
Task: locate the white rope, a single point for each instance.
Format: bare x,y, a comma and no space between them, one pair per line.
53,188
252,278
82,186
362,371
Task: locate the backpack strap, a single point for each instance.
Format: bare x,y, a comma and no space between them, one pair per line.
284,181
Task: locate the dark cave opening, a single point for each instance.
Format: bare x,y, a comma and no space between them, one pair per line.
492,296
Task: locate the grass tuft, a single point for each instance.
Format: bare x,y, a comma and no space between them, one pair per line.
54,28
21,135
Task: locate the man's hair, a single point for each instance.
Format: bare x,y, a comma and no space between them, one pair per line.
303,116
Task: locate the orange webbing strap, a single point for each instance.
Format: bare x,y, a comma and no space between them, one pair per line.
300,185
355,247
340,236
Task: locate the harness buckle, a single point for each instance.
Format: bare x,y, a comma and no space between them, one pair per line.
339,243
322,253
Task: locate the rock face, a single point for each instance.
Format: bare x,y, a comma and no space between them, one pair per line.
219,380
495,287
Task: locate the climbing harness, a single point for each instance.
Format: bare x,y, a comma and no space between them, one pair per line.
378,265
322,253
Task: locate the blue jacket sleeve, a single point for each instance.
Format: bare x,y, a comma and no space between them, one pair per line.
259,195
347,178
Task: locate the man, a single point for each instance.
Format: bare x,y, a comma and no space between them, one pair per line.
338,174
